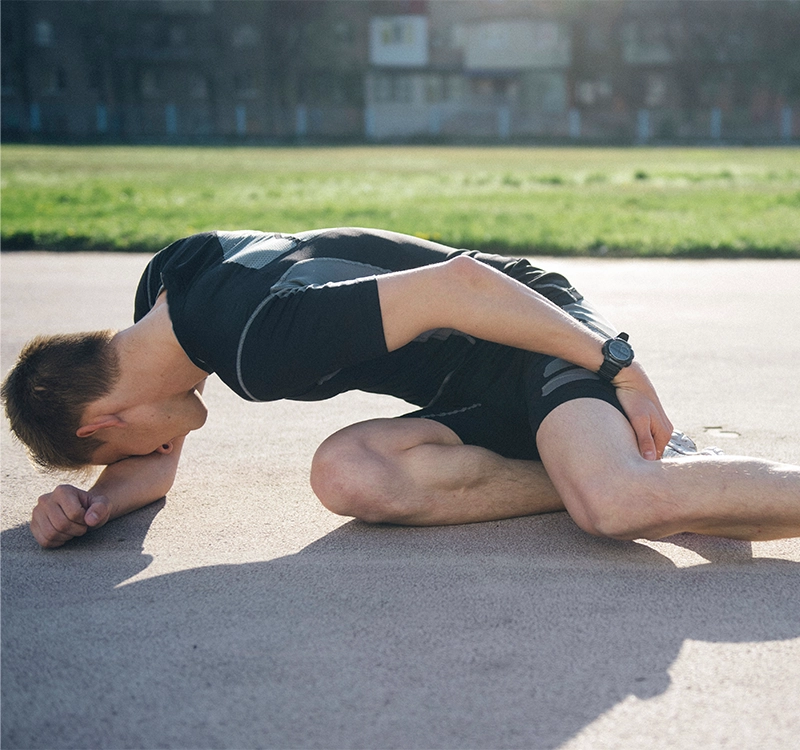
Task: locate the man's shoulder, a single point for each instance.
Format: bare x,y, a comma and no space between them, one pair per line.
190,242
201,248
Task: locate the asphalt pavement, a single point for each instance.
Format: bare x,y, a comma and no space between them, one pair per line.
239,613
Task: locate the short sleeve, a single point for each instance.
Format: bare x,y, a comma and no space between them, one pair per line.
147,291
295,341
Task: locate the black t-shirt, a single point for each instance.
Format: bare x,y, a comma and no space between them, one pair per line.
297,316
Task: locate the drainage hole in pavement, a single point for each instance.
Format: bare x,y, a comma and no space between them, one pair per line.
720,432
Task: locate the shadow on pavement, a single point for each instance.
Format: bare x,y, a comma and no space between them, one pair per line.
511,634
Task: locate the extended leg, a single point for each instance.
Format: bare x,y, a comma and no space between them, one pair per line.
418,472
589,451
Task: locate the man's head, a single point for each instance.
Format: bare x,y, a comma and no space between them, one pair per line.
47,391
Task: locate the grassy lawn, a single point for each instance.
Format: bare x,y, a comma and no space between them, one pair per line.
587,201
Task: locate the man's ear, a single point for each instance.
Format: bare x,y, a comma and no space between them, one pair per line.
99,423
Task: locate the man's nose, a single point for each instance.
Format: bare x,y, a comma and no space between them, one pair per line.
165,448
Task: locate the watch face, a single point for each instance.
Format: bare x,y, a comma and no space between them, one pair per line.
620,350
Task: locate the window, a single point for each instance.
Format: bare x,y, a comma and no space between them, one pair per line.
655,90
437,88
149,84
96,77
397,32
43,34
399,41
593,92
516,44
177,36
340,88
8,32
503,88
343,32
443,38
597,38
182,7
244,83
393,87
546,91
646,42
6,82
56,81
496,36
245,36
198,86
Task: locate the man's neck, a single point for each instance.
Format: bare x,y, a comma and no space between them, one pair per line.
151,361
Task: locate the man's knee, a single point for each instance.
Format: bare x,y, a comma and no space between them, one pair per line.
335,476
368,470
591,454
350,476
598,513
619,505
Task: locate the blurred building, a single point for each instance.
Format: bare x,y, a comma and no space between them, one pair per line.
261,70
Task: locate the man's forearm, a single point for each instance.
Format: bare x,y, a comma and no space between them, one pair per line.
140,480
478,300
473,298
135,482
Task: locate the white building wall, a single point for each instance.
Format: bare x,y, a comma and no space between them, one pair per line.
398,41
514,44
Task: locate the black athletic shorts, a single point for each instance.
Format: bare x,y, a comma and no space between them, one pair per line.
502,411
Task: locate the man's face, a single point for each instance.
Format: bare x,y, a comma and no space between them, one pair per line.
151,428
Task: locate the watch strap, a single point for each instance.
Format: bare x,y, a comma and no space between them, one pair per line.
611,366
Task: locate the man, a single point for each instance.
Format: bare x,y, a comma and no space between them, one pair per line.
528,401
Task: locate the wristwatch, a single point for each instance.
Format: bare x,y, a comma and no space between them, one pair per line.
617,353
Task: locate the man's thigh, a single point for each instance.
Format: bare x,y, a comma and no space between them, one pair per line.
418,471
390,435
589,450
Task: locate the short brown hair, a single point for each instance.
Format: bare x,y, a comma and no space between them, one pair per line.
48,389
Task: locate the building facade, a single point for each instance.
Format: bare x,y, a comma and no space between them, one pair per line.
261,70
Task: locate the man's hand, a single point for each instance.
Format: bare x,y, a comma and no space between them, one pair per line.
67,512
644,411
122,487
475,299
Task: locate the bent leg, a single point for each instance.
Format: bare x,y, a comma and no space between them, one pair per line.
418,472
590,453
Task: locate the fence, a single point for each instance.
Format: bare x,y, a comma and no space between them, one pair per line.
504,123
393,122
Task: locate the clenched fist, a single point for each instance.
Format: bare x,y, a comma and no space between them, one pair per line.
67,512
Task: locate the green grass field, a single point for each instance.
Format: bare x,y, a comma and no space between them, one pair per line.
586,201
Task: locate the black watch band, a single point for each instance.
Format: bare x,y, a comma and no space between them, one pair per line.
617,353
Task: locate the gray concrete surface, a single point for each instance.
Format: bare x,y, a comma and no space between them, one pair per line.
240,614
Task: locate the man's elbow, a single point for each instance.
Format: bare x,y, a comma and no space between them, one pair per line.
464,269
